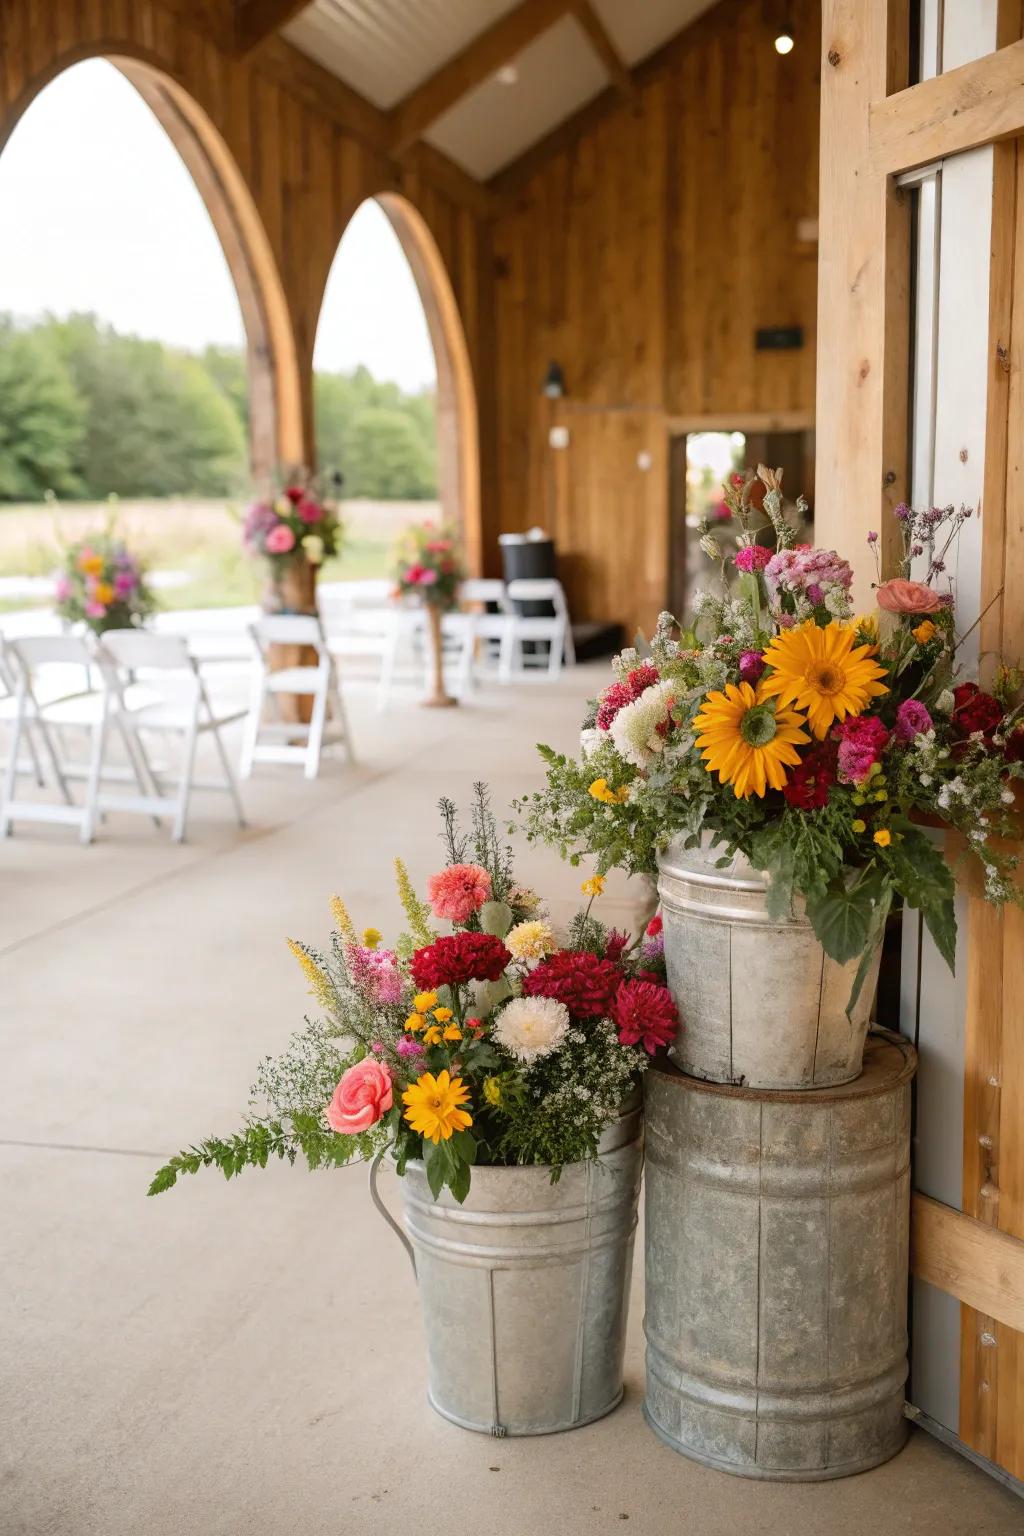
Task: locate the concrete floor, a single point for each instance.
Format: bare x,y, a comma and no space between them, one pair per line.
247,1360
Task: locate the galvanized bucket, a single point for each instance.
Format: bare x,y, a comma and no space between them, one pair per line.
525,1287
760,1002
776,1240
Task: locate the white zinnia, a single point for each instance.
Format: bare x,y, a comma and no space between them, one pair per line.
532,1027
634,730
531,940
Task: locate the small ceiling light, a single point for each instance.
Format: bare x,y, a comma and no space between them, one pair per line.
508,74
784,41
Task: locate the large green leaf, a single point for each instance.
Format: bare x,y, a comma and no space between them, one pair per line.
925,880
843,921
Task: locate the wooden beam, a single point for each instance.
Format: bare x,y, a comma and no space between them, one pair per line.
483,57
256,20
597,36
978,1264
862,405
978,103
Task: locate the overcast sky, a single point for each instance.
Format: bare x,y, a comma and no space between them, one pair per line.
98,213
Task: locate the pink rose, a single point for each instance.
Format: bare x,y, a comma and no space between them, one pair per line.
901,596
280,540
364,1094
310,511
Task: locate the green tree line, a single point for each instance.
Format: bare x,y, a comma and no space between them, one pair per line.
86,412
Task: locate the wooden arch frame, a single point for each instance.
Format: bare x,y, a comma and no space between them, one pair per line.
275,394
458,432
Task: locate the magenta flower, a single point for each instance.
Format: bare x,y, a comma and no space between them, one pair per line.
310,511
751,666
862,740
912,719
752,558
125,582
280,540
407,1046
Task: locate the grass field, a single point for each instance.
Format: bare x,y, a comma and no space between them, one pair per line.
198,539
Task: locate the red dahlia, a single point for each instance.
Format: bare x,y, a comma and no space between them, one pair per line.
458,958
618,695
645,1014
975,710
584,982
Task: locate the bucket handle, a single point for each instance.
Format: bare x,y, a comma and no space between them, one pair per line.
382,1208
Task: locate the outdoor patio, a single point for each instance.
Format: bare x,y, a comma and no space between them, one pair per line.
251,1359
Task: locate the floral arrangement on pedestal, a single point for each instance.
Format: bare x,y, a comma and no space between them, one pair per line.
494,1043
809,739
428,568
102,584
299,523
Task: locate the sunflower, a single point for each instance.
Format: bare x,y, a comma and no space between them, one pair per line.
748,739
432,1106
823,671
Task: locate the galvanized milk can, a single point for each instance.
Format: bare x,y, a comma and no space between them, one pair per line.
776,1240
525,1287
760,1002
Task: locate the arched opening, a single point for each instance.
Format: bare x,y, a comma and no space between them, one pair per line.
418,346
274,391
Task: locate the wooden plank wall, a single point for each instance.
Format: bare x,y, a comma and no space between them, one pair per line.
641,251
306,171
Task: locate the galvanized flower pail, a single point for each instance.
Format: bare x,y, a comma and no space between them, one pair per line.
761,1004
525,1287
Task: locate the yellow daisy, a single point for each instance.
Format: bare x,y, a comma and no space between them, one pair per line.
433,1106
748,739
822,671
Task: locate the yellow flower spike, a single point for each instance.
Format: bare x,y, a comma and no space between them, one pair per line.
372,937
453,1032
442,1015
883,837
858,825
320,984
342,921
414,1023
433,1106
417,913
823,671
424,1001
594,886
432,1035
924,632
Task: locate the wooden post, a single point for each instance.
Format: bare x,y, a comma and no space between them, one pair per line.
863,283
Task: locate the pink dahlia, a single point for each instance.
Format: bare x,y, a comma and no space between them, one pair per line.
752,557
619,695
457,958
585,983
459,891
862,740
645,1014
912,718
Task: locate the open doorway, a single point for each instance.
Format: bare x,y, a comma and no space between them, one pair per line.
700,461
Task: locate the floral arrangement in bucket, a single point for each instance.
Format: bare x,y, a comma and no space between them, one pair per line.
428,568
298,524
102,584
491,1044
806,738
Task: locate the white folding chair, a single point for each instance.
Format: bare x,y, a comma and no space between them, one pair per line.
179,707
275,740
488,629
45,711
8,711
555,629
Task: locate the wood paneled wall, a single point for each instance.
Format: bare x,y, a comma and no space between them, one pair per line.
308,153
642,251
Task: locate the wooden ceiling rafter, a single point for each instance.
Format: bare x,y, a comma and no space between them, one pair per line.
257,20
596,33
477,62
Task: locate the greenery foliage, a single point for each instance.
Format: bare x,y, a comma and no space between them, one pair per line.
86,412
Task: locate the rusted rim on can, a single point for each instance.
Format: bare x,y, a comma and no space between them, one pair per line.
889,1061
